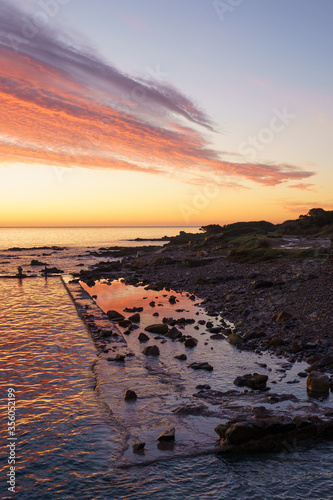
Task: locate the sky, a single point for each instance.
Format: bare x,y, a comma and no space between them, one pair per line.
164,112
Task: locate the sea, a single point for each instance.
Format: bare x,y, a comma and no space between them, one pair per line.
70,433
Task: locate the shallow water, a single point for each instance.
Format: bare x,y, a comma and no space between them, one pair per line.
69,441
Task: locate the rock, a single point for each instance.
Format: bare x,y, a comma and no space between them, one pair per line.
152,303
173,333
282,316
143,337
159,328
234,339
151,350
133,309
201,366
263,284
138,447
209,324
215,329
135,318
318,382
255,381
181,357
217,336
35,262
302,374
124,323
203,387
172,299
276,342
130,395
191,342
167,435
115,315
201,322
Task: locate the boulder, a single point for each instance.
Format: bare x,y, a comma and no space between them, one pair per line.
151,350
173,333
234,339
143,337
135,318
191,342
172,299
159,328
138,447
181,357
318,382
255,381
167,435
130,395
115,315
201,366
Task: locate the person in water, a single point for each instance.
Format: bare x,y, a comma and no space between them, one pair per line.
20,272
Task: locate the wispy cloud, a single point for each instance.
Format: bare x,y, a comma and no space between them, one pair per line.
303,207
302,186
61,104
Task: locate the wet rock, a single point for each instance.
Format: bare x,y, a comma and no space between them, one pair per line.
124,323
201,322
143,337
318,382
130,395
151,350
133,309
217,336
191,409
135,318
172,299
152,303
255,381
173,333
203,387
35,262
201,366
215,329
156,314
159,328
115,315
270,433
209,324
234,339
138,447
191,342
167,435
302,374
181,357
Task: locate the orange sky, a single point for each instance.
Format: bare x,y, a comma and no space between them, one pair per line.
73,127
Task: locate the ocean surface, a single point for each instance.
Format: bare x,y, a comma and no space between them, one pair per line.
74,431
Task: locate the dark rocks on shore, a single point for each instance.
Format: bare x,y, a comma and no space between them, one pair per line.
253,435
151,350
181,357
143,337
115,315
255,381
124,323
138,447
201,366
318,382
191,342
135,318
35,262
234,339
130,395
133,309
173,333
159,328
167,435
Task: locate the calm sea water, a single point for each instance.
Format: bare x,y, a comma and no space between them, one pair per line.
74,432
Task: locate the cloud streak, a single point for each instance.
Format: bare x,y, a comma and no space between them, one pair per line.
63,105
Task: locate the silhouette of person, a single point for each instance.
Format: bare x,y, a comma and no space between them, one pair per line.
20,273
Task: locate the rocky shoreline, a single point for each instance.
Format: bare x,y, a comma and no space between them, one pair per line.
283,305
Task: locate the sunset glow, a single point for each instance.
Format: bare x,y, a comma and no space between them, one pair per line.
85,143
